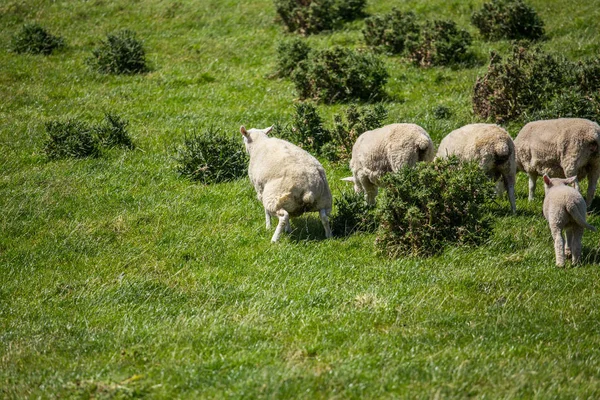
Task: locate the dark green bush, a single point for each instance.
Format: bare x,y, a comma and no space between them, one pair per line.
211,157
340,74
70,139
440,43
352,214
121,53
442,112
35,39
290,53
307,129
113,133
358,120
569,104
508,19
427,207
391,32
313,16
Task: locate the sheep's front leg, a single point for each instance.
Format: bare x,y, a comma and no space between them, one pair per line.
268,218
559,246
532,182
325,222
284,220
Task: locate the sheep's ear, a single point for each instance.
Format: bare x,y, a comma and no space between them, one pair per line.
547,180
349,179
268,130
243,130
570,180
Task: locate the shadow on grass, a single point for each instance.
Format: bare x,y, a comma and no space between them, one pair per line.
590,255
594,208
307,228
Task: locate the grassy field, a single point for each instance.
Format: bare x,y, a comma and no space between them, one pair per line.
120,279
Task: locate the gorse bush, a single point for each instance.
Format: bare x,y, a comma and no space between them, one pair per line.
391,32
210,157
307,128
35,39
440,43
442,112
313,16
121,53
113,132
339,74
70,139
290,53
424,208
508,19
358,120
352,214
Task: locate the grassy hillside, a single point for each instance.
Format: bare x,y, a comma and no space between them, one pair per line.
120,279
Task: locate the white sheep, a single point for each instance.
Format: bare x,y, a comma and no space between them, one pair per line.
386,149
560,148
490,146
565,209
288,180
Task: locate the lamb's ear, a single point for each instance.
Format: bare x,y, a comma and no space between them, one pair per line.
570,180
268,130
349,179
243,130
547,180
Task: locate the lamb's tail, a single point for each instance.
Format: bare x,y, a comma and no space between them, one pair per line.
501,152
309,198
425,148
579,217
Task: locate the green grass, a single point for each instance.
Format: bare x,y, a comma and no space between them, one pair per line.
120,279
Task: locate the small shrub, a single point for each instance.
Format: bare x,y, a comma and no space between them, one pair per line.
391,32
289,54
35,39
440,43
358,120
313,16
587,75
442,112
508,19
113,133
307,129
70,139
120,53
424,208
340,74
211,158
352,214
570,104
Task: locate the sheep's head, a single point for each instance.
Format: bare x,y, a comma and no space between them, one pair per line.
550,182
252,135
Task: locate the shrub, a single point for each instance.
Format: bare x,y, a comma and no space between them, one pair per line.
524,83
340,74
426,207
313,16
508,19
358,121
71,138
440,43
570,104
35,39
211,158
391,32
307,129
352,214
120,53
113,132
442,112
289,54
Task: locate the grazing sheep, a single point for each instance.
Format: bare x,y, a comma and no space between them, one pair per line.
564,208
386,149
288,180
491,146
560,148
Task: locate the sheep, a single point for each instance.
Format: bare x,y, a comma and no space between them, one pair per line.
560,148
386,149
288,180
564,208
489,145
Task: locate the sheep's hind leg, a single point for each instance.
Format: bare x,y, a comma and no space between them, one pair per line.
325,222
284,219
576,236
268,218
532,182
559,246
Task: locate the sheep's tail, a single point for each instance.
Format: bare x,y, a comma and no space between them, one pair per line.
501,151
579,217
425,149
309,198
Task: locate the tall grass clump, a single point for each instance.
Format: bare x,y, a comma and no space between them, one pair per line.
508,19
70,139
34,39
352,214
121,53
313,16
340,74
113,132
424,208
210,157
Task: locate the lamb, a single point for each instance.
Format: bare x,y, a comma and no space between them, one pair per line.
560,148
489,145
386,149
288,181
564,208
